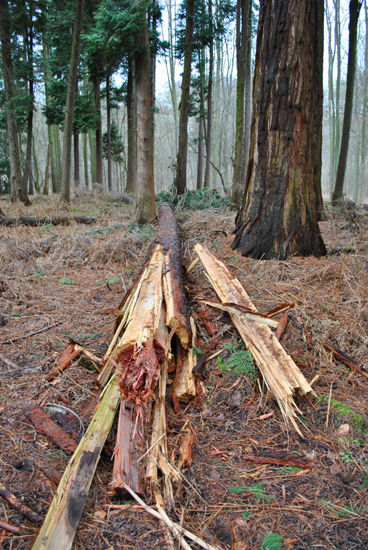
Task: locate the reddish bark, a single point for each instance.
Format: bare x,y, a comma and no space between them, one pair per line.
44,425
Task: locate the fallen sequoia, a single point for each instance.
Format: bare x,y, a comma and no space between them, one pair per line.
152,315
53,220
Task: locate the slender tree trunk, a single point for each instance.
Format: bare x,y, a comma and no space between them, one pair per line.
99,162
170,68
108,109
153,65
17,188
76,159
354,9
207,174
331,100
338,83
58,158
69,108
145,206
132,129
278,216
92,153
35,178
29,49
200,154
242,47
181,163
363,151
46,189
52,131
85,159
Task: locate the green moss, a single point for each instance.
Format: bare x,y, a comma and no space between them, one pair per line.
342,412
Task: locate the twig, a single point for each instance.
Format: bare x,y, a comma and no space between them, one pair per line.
151,447
10,528
157,515
15,502
30,334
329,406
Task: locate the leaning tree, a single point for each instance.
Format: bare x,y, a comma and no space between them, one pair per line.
279,213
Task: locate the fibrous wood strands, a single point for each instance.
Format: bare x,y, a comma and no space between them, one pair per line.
280,373
154,310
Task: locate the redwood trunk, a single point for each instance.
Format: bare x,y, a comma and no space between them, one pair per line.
145,206
181,165
278,216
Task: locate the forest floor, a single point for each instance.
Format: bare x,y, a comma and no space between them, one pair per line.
68,278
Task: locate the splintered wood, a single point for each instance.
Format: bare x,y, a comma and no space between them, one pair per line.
280,373
151,314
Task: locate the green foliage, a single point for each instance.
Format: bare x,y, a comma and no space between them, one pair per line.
117,145
240,361
342,412
67,281
255,490
200,199
91,336
364,485
273,541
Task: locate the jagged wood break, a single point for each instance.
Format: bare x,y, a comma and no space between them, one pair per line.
280,373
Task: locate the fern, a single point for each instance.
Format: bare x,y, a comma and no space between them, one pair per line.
273,541
256,490
240,361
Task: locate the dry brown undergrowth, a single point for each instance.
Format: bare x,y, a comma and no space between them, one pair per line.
59,276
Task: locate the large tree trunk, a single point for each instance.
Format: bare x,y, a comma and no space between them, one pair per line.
99,164
242,47
17,188
181,163
279,210
145,206
132,129
354,9
69,108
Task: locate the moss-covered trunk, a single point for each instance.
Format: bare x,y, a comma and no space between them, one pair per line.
278,216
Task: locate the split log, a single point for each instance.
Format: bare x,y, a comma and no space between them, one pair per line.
60,525
175,299
44,425
124,469
18,505
280,373
53,220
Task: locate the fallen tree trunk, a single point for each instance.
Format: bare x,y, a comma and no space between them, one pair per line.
280,373
62,520
53,220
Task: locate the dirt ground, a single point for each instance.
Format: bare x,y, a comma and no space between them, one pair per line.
69,280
